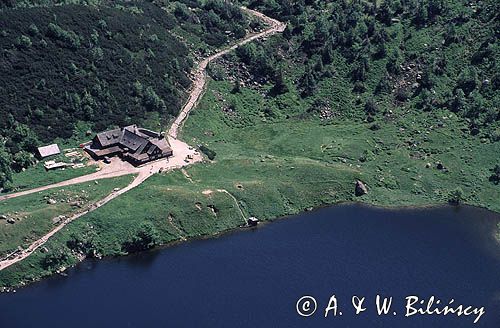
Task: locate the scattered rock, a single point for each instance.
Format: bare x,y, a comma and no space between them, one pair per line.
360,189
51,201
58,219
76,204
214,209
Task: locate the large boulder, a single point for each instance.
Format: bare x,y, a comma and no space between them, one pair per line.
360,189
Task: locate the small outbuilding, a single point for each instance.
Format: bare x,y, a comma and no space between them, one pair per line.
253,221
53,165
49,150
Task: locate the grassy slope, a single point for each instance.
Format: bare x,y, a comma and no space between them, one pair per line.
391,160
34,216
37,176
281,168
277,158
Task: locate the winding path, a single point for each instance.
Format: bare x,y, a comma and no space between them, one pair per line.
118,168
200,77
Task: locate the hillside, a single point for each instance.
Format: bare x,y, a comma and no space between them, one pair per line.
396,56
109,64
402,96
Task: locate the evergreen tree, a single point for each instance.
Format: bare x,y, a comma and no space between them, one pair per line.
280,85
5,170
459,102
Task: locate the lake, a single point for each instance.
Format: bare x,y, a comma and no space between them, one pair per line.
254,278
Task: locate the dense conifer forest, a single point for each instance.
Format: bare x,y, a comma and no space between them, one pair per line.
101,63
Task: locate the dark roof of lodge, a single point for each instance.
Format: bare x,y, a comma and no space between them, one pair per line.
133,141
106,151
110,137
162,144
139,143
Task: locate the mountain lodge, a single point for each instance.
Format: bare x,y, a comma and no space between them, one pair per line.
135,145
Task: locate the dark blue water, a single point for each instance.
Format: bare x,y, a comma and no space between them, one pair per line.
254,278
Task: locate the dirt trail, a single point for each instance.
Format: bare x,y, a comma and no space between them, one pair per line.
237,203
200,77
18,256
119,168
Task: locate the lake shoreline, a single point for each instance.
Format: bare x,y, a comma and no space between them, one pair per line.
223,233
340,250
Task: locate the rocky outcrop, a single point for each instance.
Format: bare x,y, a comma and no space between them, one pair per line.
360,189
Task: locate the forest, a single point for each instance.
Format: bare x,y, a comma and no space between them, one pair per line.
102,63
111,63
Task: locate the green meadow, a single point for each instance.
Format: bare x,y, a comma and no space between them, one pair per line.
280,166
36,214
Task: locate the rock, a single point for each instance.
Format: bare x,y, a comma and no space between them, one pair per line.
439,166
51,201
360,189
428,165
3,217
58,219
11,221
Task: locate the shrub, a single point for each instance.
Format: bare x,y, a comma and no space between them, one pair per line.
83,243
371,107
56,259
22,160
70,38
456,196
33,29
209,152
495,177
145,238
24,41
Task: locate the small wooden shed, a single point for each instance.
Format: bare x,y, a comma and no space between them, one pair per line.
49,150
